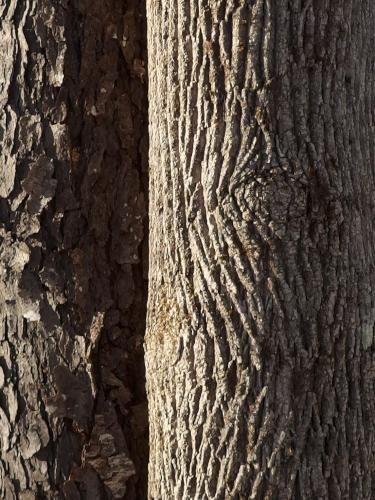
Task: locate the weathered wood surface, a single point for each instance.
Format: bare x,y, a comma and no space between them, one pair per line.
260,332
72,285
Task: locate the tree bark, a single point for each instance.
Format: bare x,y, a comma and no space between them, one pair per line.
261,312
72,285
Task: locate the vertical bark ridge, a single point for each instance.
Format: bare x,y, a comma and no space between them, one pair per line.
259,346
73,416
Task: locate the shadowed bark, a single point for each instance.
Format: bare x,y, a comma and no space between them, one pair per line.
261,313
73,147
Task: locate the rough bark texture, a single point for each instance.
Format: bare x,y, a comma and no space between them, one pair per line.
260,354
72,286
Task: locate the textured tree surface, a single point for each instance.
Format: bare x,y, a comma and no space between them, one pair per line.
72,286
260,333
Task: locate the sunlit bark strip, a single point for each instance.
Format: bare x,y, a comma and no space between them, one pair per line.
259,345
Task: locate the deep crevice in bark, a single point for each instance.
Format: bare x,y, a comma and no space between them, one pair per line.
112,277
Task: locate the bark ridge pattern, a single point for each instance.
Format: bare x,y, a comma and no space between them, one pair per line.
260,355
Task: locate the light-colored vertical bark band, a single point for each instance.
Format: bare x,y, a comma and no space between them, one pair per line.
259,347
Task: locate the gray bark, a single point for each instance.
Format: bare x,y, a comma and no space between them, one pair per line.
72,286
260,348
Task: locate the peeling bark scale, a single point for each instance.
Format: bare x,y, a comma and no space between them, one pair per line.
73,155
261,309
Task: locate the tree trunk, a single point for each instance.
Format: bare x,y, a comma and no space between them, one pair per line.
72,286
260,355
